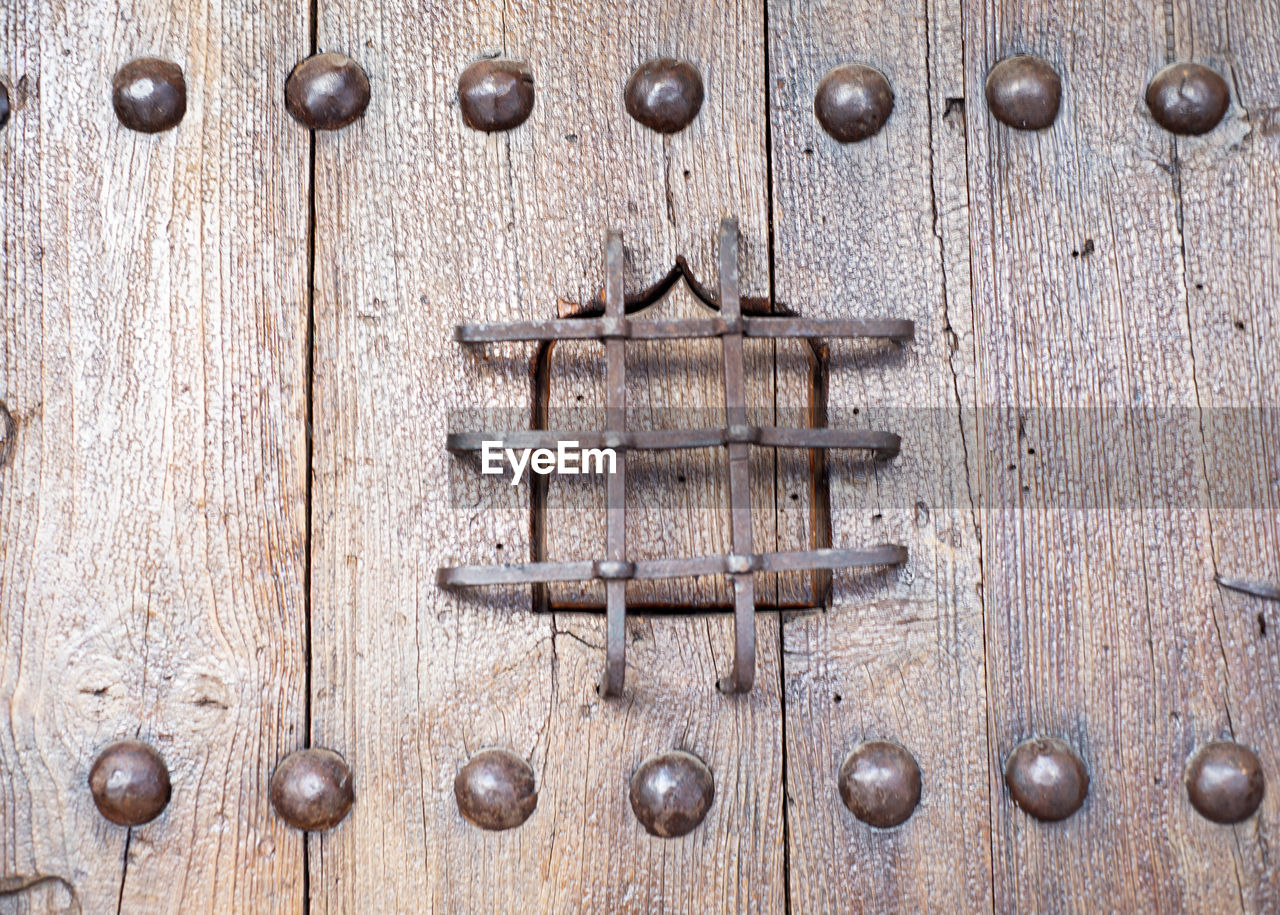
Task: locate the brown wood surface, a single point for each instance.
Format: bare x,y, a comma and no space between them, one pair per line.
451,225
1088,411
862,230
153,323
1104,626
1229,193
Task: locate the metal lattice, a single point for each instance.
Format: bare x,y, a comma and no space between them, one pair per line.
615,570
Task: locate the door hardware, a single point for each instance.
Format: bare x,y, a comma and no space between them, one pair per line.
615,570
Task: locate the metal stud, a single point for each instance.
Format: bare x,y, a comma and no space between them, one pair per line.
1024,92
129,783
312,789
327,91
853,102
671,793
664,94
149,95
1046,778
1188,99
495,95
880,782
495,790
4,104
1224,781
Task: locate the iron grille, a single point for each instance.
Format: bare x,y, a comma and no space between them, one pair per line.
615,329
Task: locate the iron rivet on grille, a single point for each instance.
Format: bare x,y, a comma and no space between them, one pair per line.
327,91
312,789
149,95
880,782
1188,98
1046,778
664,94
495,790
495,95
130,783
853,102
1225,782
1024,92
671,793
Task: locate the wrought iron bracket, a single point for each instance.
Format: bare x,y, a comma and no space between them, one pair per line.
615,330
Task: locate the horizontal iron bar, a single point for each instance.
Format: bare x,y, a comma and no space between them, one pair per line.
685,567
750,326
886,443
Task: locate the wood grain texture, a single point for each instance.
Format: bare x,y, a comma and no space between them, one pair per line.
1229,191
1097,546
152,353
423,223
876,229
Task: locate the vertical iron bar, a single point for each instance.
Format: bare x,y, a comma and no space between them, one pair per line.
615,668
743,674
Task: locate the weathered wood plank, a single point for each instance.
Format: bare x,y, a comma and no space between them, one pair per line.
877,229
423,223
152,353
1098,573
1229,183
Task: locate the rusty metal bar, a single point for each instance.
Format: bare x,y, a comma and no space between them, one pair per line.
743,674
885,444
756,326
615,665
525,573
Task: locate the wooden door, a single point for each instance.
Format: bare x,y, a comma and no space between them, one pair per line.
228,369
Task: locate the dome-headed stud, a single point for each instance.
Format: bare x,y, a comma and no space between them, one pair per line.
1024,92
4,104
853,102
149,95
664,94
327,91
1225,782
1046,778
880,782
671,793
495,790
129,783
495,95
1188,99
312,789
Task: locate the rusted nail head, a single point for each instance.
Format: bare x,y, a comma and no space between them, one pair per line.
1188,98
880,782
312,789
853,102
671,793
664,94
1224,781
1046,778
327,91
1024,92
495,94
149,95
129,783
495,790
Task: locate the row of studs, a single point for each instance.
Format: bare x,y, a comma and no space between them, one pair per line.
670,793
329,91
